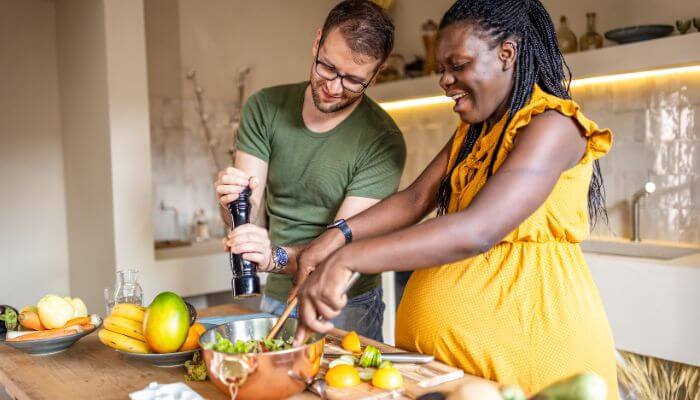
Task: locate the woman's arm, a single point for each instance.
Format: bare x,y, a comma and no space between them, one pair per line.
551,144
406,207
397,211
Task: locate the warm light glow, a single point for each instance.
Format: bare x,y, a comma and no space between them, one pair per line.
634,75
433,100
422,101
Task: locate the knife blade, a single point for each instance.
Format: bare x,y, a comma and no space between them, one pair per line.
414,358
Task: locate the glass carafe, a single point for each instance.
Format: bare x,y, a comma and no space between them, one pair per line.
127,289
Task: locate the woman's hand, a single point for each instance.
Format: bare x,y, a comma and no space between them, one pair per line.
322,295
314,254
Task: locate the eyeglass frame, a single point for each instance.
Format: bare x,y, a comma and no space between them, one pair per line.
364,85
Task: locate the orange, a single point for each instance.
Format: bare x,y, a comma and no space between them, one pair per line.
192,340
342,376
351,342
388,378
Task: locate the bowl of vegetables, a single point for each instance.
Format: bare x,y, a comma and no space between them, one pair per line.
51,326
245,366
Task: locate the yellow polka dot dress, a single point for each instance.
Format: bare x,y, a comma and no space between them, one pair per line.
527,311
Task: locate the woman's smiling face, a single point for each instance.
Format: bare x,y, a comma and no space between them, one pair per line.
475,73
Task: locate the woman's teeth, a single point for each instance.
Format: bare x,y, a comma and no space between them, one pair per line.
456,97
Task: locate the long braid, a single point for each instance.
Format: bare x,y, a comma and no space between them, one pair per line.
538,61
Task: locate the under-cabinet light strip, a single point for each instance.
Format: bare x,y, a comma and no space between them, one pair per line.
433,100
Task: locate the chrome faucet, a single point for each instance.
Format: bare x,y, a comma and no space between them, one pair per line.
648,189
176,216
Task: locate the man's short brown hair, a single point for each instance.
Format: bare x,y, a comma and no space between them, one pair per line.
367,29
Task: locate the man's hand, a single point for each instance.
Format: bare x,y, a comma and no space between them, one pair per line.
253,243
315,253
231,182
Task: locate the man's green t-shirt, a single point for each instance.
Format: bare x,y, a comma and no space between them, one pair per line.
310,174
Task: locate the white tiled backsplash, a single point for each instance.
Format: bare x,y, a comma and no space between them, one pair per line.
183,171
656,122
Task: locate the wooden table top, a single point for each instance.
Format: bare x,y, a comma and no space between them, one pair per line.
92,370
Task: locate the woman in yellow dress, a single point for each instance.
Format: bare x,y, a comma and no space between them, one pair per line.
501,287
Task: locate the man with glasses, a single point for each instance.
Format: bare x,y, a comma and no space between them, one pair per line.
321,151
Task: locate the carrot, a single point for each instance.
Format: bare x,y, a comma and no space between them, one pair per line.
30,319
46,334
88,327
77,321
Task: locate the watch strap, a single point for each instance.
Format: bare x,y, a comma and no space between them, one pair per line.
345,228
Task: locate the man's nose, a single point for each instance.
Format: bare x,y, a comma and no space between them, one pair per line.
335,86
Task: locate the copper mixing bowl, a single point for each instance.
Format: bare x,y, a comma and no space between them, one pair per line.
261,376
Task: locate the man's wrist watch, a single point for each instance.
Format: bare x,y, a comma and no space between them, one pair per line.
280,259
343,226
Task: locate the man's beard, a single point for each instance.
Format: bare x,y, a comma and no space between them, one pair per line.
328,109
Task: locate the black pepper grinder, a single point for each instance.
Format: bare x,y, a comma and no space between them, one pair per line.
245,282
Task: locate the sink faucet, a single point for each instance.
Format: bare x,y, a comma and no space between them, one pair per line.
176,216
648,189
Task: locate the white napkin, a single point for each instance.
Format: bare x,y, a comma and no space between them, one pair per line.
172,391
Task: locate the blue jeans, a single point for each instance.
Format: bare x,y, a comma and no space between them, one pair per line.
363,314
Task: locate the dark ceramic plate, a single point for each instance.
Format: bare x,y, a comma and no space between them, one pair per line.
638,33
161,360
44,347
166,359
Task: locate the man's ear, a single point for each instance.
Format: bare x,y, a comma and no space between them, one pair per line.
508,53
317,43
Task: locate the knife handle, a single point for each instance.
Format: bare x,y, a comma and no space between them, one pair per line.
414,358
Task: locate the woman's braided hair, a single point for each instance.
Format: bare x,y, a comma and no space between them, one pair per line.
538,61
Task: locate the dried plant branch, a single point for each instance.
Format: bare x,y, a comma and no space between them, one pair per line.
203,119
649,378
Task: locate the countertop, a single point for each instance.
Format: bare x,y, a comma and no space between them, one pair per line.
91,370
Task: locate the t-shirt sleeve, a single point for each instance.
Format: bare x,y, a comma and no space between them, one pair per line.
254,135
379,167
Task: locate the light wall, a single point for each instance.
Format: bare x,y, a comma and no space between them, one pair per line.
33,240
82,69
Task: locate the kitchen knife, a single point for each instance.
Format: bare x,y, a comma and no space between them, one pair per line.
413,358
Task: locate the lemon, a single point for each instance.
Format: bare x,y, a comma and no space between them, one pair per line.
342,376
388,378
351,342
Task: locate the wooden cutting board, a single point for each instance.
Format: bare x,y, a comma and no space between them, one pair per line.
417,377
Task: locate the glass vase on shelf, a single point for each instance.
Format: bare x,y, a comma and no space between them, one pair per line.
127,289
591,39
568,43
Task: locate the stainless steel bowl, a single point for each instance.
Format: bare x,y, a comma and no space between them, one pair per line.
272,375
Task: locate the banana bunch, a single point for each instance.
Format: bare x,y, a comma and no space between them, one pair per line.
123,329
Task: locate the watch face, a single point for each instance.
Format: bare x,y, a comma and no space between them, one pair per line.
281,255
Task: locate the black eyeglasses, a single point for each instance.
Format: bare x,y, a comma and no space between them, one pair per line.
348,83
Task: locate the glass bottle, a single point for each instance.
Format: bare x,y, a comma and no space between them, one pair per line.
430,29
591,39
128,289
568,43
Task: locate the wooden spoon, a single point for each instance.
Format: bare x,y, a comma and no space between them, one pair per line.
293,303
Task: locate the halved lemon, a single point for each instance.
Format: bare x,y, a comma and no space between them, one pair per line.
342,376
388,378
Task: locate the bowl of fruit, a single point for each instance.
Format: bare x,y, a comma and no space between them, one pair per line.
51,326
164,334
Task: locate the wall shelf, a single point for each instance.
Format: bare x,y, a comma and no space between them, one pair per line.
671,51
